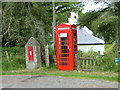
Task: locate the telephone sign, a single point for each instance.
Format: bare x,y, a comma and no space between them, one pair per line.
63,34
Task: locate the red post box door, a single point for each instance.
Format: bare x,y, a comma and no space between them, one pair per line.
30,53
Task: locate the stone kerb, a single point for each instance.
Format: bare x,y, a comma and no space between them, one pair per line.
32,61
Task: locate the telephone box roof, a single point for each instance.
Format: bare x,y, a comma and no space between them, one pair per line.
65,25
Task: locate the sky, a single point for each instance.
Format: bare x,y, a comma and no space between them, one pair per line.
92,6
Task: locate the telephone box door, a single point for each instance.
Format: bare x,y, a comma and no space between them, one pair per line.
63,51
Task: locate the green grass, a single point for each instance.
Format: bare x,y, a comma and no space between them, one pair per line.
72,74
16,58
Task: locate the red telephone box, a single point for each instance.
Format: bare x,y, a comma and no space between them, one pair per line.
30,53
66,46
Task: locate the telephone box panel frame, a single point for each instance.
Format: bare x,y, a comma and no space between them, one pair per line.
65,53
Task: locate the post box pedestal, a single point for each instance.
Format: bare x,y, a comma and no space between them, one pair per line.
33,56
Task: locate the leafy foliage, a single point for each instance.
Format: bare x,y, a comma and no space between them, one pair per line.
16,58
102,23
108,60
21,20
25,19
63,10
105,27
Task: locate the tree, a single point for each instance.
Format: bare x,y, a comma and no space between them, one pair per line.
63,10
21,20
117,10
102,23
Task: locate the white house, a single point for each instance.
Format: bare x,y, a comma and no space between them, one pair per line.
86,40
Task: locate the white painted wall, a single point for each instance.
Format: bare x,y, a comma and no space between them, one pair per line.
96,48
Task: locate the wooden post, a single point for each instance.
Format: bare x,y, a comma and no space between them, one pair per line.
54,25
78,60
94,61
83,64
90,62
86,64
99,59
7,56
47,56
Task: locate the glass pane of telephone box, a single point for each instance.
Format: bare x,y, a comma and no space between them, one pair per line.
63,47
64,59
64,43
64,51
64,63
64,55
75,46
75,34
64,39
75,42
75,38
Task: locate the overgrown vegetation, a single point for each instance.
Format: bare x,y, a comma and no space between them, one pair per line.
16,65
107,61
16,58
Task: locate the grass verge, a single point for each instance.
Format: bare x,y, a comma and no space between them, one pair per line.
72,74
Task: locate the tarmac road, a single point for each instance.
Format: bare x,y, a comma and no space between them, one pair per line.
20,81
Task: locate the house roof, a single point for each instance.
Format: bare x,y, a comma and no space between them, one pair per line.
85,37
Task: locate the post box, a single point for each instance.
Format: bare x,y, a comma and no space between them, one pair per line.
33,56
30,53
66,46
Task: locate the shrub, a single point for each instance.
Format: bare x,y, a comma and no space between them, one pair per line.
16,58
107,60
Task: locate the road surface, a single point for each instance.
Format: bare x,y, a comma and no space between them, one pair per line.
29,81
